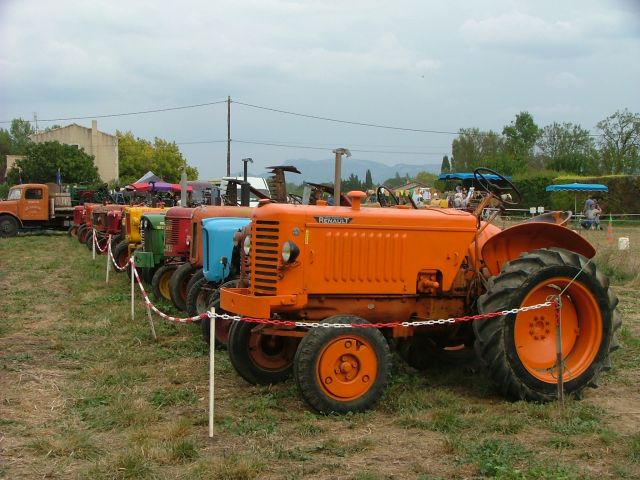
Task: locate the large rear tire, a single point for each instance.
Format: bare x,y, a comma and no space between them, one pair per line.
178,285
8,226
342,369
160,282
260,359
519,350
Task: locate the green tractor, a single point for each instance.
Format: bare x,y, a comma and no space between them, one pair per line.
150,255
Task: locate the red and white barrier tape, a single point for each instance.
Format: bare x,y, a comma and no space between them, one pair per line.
163,315
97,244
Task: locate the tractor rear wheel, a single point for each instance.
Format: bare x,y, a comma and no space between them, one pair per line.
8,226
519,350
198,296
121,255
222,326
160,282
259,358
178,285
342,369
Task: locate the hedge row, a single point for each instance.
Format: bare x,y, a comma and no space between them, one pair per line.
623,196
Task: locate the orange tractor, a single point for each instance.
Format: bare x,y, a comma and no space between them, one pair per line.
402,268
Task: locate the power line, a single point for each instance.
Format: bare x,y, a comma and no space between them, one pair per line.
309,147
348,122
158,110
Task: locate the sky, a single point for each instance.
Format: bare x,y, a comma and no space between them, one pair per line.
410,64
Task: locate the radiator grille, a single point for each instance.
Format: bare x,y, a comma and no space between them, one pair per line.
172,230
264,257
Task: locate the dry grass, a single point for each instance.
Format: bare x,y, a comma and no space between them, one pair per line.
86,393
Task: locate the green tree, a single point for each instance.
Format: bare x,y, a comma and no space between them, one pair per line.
20,131
520,139
351,183
620,143
138,156
426,178
42,161
567,147
368,180
473,149
446,166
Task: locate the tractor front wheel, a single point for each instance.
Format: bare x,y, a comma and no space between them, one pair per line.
198,296
82,233
261,359
519,349
8,226
178,285
342,369
121,255
73,230
222,325
160,282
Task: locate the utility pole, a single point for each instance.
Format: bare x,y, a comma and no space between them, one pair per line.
228,136
338,173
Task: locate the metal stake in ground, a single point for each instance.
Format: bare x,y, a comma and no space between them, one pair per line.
212,360
108,259
132,292
559,359
93,243
153,328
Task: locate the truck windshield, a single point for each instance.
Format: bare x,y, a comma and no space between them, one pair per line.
14,194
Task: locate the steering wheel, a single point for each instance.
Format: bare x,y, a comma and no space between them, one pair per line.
490,187
380,194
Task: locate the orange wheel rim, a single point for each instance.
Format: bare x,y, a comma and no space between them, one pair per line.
535,331
347,368
271,352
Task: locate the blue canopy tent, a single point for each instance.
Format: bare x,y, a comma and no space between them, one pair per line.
577,187
467,176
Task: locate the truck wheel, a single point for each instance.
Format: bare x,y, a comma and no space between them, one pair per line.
160,282
121,255
342,369
8,226
178,285
259,358
82,233
519,350
198,296
222,325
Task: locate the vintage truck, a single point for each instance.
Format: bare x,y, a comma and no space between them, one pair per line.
35,205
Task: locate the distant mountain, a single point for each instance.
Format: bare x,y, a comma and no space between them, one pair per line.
323,170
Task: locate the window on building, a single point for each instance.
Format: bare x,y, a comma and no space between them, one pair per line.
33,194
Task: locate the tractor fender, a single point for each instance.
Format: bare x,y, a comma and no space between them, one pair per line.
524,237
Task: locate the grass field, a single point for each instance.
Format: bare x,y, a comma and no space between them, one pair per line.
86,393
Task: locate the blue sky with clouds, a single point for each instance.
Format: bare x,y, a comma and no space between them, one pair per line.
407,63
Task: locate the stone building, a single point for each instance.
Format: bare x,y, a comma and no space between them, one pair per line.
103,146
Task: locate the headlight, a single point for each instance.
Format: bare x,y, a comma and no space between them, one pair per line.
246,245
290,251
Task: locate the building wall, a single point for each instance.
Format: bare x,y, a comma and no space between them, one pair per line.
103,146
